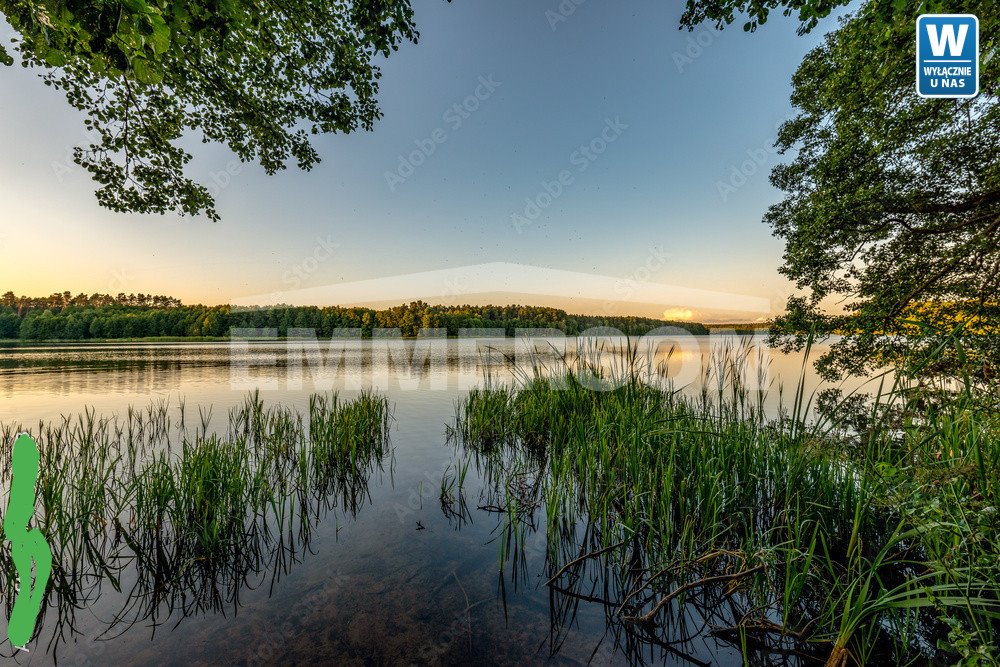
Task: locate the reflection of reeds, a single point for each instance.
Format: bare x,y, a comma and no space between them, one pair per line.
690,517
189,519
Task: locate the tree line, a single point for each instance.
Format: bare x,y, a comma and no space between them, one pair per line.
100,316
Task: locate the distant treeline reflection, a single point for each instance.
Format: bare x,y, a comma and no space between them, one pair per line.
101,316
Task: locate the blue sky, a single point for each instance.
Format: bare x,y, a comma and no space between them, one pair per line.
685,117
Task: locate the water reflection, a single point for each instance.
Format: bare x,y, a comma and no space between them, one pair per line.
398,567
580,573
111,376
152,522
670,515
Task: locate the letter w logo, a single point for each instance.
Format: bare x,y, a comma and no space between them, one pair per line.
947,38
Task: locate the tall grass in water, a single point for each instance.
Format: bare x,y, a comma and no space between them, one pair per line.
784,535
187,517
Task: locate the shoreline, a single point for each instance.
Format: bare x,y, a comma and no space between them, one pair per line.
18,342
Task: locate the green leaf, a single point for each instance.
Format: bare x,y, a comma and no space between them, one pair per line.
160,39
144,73
135,6
154,43
55,58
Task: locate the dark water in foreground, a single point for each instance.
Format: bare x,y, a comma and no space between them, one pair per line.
402,580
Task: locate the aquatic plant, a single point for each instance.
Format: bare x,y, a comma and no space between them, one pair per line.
783,533
188,516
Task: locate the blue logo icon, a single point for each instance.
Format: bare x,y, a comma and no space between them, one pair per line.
948,55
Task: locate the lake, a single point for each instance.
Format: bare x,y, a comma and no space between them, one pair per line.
396,578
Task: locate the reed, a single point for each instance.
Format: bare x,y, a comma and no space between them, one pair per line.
188,516
781,532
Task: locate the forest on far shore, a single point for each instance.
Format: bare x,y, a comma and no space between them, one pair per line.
126,316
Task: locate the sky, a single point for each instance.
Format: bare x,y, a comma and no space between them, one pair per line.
602,141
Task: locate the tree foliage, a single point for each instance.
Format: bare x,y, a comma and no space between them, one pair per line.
755,13
63,316
892,204
260,76
724,12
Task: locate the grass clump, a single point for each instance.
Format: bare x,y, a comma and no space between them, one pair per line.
788,536
190,517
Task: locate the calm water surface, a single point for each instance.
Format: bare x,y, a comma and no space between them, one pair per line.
399,581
